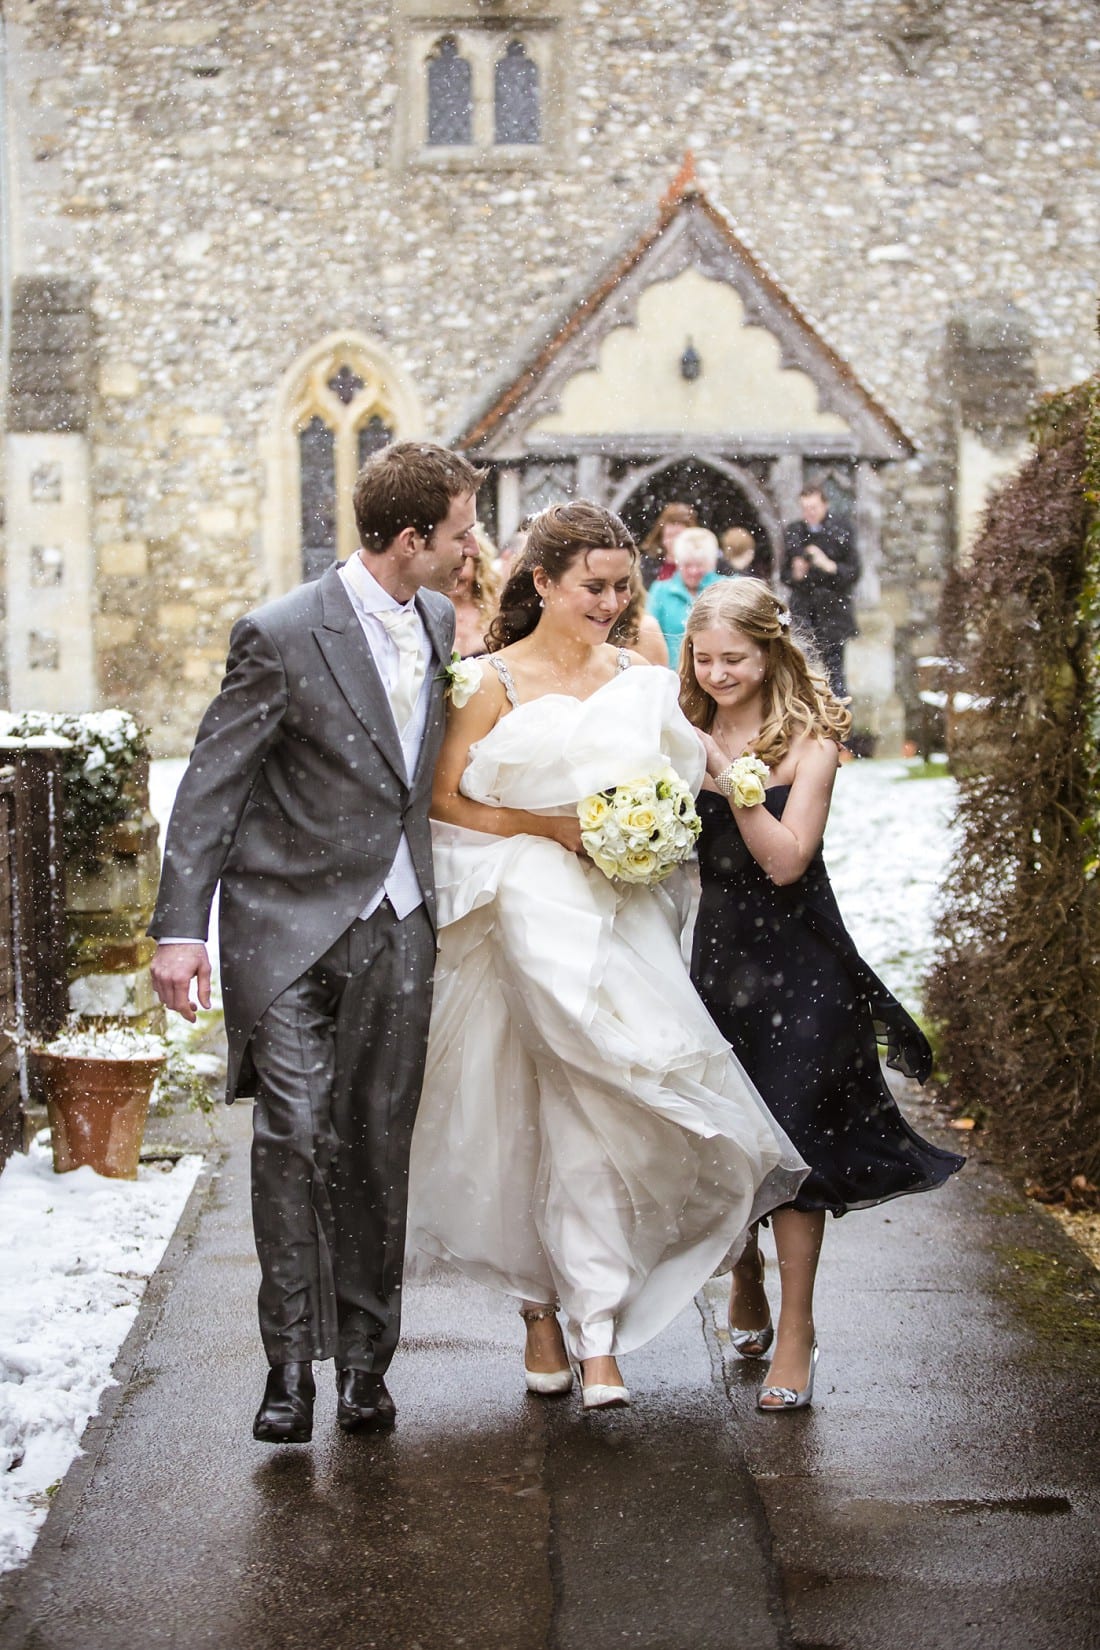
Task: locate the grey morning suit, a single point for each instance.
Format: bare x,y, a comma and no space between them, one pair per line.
295,799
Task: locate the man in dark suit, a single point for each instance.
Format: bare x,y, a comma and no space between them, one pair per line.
306,797
821,569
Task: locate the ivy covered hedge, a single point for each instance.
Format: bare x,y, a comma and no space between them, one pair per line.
1016,990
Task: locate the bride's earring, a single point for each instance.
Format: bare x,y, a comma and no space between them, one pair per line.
541,602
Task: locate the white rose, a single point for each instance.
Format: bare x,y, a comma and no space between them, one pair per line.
465,679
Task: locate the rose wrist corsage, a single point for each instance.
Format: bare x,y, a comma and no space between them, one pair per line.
462,678
743,782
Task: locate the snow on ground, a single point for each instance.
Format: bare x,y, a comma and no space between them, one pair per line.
887,846
76,1251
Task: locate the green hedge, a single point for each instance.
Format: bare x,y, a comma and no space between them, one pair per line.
1016,990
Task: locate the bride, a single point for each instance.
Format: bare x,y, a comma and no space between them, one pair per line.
585,1137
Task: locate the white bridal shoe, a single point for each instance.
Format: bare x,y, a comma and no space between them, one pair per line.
600,1396
551,1383
790,1398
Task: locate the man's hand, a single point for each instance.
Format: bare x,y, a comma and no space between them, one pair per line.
820,560
173,968
798,569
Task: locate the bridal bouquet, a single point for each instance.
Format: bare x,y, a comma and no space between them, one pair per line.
639,832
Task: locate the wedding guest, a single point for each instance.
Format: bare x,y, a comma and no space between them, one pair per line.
585,1138
655,560
777,969
511,551
475,597
742,556
696,556
637,628
821,569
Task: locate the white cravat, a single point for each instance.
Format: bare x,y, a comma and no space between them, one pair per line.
403,626
375,608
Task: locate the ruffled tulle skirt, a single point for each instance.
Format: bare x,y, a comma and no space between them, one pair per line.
585,1133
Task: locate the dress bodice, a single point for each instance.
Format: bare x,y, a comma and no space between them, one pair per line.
508,682
549,753
724,859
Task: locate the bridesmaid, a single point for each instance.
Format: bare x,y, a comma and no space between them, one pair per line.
776,967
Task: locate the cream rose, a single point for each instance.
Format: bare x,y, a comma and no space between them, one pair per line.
641,820
743,781
639,865
593,811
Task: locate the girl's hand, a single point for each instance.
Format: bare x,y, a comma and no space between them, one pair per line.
717,760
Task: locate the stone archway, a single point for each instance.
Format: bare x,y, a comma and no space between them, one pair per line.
723,495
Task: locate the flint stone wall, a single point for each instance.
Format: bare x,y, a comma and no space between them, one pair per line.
229,179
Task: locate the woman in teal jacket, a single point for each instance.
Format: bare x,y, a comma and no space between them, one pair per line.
695,553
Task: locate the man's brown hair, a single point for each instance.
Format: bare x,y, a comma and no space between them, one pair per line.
409,484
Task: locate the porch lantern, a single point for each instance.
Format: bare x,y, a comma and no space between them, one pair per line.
691,363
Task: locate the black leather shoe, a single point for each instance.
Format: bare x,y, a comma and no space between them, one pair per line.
286,1414
362,1403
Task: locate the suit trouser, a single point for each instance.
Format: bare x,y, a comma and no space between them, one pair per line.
339,1058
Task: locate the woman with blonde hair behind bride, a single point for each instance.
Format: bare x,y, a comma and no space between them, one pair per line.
475,597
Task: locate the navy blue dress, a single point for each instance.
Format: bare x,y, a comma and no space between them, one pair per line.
780,975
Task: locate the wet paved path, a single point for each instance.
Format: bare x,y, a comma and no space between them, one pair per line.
941,1495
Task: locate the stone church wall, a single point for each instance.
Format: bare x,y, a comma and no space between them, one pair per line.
234,182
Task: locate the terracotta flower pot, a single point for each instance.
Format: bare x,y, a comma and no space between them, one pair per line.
97,1110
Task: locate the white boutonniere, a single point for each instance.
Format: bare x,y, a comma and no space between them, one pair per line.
743,781
461,679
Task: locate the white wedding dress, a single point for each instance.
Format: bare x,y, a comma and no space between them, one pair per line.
585,1133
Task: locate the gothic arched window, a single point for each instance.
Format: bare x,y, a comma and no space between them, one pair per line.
516,97
344,416
317,469
450,96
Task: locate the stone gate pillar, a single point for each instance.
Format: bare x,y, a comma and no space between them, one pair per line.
50,554
991,373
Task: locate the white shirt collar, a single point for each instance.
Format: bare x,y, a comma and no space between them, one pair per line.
367,592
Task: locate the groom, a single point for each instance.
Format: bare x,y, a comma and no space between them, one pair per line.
307,798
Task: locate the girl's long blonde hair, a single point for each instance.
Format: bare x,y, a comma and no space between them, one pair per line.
486,584
797,695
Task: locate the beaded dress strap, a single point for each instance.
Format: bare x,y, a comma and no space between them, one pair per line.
505,675
624,659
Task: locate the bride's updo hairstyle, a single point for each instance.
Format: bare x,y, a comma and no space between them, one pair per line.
797,696
555,538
